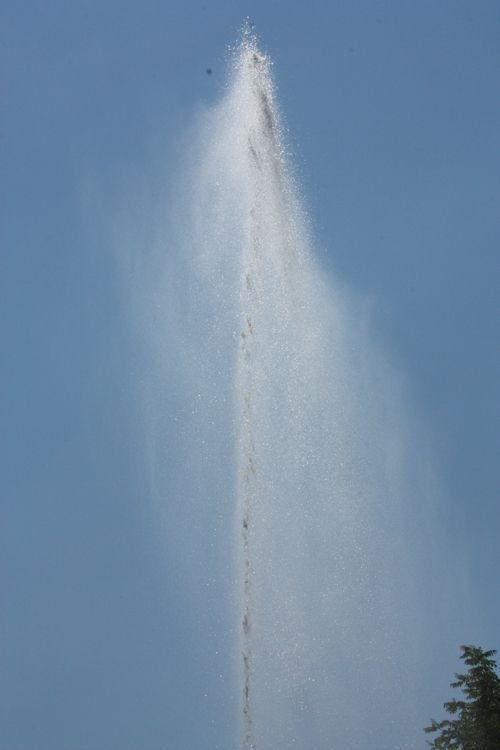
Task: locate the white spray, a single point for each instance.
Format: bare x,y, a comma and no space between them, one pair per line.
298,434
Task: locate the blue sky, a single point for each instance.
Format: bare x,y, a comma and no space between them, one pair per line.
393,117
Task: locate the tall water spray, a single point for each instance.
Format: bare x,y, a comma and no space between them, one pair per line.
309,480
299,437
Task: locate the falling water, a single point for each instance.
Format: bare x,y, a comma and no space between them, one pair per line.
301,438
309,480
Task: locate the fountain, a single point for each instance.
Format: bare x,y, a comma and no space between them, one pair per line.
318,530
297,447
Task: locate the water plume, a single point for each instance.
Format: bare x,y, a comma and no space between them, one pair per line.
298,447
319,524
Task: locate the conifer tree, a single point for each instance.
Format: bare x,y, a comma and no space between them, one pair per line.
475,722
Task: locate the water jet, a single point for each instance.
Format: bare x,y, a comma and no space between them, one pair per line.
306,438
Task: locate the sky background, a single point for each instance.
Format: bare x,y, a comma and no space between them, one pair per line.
393,115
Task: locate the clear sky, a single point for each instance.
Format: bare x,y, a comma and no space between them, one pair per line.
393,114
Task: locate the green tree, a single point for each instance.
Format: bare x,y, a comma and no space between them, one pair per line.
476,719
